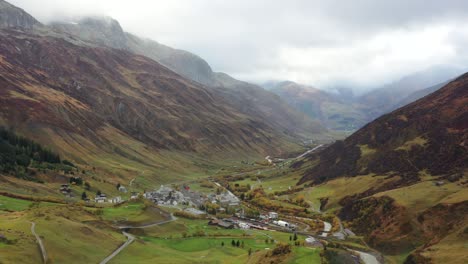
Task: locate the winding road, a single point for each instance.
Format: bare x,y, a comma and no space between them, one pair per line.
39,241
130,239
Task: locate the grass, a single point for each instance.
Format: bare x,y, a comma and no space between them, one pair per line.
337,189
133,212
13,204
417,141
165,244
302,255
451,249
423,195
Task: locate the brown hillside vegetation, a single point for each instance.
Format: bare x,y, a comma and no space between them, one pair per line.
430,134
420,153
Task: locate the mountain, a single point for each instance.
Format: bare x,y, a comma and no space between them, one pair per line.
412,165
342,111
385,99
334,111
13,17
121,112
419,94
248,98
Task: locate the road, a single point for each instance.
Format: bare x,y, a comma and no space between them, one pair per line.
173,218
326,229
309,151
39,241
366,257
130,239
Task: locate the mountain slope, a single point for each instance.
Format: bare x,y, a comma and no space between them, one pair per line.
92,104
247,98
13,17
412,165
427,134
331,110
385,99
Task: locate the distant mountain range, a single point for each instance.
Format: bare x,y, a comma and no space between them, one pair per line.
344,111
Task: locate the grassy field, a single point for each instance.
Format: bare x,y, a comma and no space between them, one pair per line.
337,189
166,244
425,194
133,212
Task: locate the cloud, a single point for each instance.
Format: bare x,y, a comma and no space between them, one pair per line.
360,43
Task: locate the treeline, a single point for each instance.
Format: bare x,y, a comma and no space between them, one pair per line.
17,153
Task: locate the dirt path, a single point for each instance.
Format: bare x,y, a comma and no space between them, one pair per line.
130,239
39,241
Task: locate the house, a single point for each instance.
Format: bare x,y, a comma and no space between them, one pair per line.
273,215
122,189
312,242
243,225
134,195
116,200
281,223
65,189
220,223
101,198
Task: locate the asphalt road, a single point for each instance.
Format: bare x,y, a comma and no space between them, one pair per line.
130,239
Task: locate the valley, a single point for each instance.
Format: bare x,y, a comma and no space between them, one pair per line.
116,148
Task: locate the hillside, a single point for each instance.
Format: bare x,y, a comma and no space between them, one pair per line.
247,98
387,98
85,101
411,170
331,110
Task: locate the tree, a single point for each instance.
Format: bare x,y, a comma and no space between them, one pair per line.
87,186
98,192
266,241
250,251
242,244
222,243
84,196
233,243
290,238
295,237
118,186
237,243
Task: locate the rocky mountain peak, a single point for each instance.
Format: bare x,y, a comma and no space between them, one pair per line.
98,29
14,17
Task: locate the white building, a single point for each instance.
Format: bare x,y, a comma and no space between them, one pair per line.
281,223
102,198
115,200
273,215
243,225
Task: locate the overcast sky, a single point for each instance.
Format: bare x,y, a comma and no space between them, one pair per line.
321,43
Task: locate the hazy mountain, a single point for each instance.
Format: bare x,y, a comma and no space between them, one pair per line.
384,99
13,17
343,111
334,111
